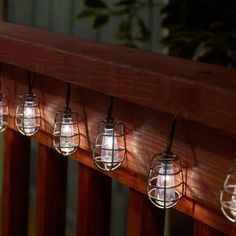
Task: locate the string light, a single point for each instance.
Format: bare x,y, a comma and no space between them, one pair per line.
66,135
110,145
27,118
165,183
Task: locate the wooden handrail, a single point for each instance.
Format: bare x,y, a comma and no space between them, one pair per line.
196,91
148,86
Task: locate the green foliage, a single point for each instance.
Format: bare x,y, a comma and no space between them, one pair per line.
201,30
132,28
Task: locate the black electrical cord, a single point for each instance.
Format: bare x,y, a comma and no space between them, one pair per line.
110,110
31,82
171,136
68,93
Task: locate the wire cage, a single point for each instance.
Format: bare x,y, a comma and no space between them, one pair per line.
66,135
27,119
228,195
4,112
110,145
165,184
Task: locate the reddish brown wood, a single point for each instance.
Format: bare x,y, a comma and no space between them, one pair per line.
94,200
51,193
15,184
199,95
192,90
143,218
200,229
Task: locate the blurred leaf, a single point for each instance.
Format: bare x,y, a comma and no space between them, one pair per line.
125,2
100,21
88,12
95,4
120,12
124,30
143,30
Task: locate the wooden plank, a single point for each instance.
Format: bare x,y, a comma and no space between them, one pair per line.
191,90
51,193
94,200
201,229
143,218
15,184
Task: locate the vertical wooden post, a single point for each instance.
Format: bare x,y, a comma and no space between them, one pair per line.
51,193
201,229
143,218
94,200
15,184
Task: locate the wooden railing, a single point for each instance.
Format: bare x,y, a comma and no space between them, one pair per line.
149,89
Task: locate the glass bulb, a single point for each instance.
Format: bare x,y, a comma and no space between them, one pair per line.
233,204
29,121
165,179
67,138
109,148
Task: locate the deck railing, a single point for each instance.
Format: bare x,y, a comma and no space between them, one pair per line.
149,88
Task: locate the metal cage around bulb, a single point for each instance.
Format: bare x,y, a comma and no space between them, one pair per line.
228,195
27,118
165,184
110,145
4,112
66,135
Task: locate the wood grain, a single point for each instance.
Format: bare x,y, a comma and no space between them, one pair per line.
143,218
15,184
192,90
94,201
51,193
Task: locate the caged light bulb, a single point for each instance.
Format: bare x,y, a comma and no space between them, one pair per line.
27,117
109,152
67,138
228,195
29,120
165,192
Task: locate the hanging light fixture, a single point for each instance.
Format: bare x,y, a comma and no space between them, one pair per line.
110,146
27,118
165,184
228,195
66,135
